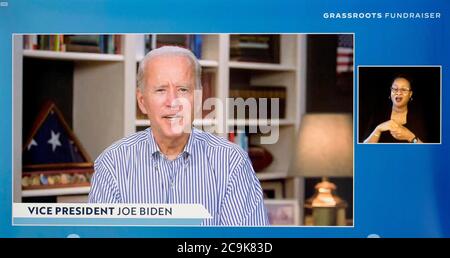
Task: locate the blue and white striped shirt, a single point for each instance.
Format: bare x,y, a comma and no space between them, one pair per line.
210,171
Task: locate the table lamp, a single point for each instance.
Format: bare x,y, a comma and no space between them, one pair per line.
325,149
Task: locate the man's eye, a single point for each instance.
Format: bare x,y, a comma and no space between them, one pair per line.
160,90
183,90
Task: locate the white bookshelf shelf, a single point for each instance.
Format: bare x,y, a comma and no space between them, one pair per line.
56,191
74,56
208,63
271,175
197,122
257,122
205,122
261,66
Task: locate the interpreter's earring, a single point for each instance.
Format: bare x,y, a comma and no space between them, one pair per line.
411,99
389,97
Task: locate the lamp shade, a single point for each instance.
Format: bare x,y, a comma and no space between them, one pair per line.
324,146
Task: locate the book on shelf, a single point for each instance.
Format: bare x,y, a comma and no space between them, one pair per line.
240,138
92,40
148,45
91,43
195,45
45,42
260,93
191,42
262,48
30,42
82,48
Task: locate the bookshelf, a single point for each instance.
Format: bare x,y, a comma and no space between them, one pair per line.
104,103
98,102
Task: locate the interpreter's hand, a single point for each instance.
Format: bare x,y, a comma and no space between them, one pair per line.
402,133
387,126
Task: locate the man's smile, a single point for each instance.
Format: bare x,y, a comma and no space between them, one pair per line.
172,117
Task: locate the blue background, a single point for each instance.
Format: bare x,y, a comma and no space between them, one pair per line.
400,191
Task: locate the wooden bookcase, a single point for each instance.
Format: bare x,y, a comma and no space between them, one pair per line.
104,103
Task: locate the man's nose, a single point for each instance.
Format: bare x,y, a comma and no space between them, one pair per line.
171,99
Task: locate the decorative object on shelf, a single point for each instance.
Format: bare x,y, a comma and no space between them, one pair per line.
261,158
53,156
282,212
325,149
344,54
56,179
344,64
273,189
327,208
262,48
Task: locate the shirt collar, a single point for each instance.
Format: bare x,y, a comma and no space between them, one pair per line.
154,148
188,148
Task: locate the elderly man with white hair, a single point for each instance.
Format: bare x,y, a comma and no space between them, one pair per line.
171,161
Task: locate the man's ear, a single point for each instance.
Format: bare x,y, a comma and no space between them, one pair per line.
141,101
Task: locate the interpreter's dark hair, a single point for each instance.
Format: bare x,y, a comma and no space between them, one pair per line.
406,77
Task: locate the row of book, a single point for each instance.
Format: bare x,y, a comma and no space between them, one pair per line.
191,42
262,48
243,47
105,44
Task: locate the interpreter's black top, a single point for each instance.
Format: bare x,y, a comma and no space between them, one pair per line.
414,122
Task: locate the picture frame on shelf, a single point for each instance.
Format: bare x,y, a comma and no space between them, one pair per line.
273,189
283,212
